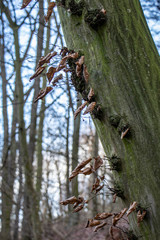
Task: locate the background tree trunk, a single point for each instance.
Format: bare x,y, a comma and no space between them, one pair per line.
123,64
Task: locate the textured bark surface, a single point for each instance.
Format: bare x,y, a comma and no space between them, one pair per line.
124,72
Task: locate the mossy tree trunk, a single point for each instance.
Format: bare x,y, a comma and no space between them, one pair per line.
123,64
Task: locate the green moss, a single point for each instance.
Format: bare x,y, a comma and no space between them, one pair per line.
95,18
114,120
115,163
98,113
76,8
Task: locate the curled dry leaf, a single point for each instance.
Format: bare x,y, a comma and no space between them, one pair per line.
37,73
25,3
140,216
49,11
64,51
80,200
64,59
90,94
85,73
96,184
46,59
132,208
79,109
99,188
50,73
100,226
79,208
90,108
102,216
92,223
43,93
59,68
123,134
70,200
97,163
118,216
56,79
79,64
87,171
114,197
76,171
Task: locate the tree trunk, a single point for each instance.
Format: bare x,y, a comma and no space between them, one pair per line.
123,64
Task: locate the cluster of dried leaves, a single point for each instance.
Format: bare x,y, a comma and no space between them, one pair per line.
79,203
99,220
90,107
49,10
80,66
88,170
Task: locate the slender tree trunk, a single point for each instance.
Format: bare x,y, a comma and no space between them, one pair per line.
95,154
75,148
9,151
123,64
40,39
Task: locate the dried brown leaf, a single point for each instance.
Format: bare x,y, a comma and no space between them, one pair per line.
97,163
79,64
99,188
56,79
92,223
79,109
96,184
85,73
49,11
90,108
114,197
64,59
64,51
43,93
76,171
87,171
37,73
90,94
79,200
140,216
70,200
132,208
118,216
25,3
50,73
100,226
123,134
79,208
102,216
46,59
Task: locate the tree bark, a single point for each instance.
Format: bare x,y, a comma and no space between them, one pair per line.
123,64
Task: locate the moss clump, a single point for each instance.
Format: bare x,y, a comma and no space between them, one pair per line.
117,190
76,8
114,120
115,163
95,18
123,126
61,3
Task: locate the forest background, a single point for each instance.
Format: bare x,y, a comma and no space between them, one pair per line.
41,143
